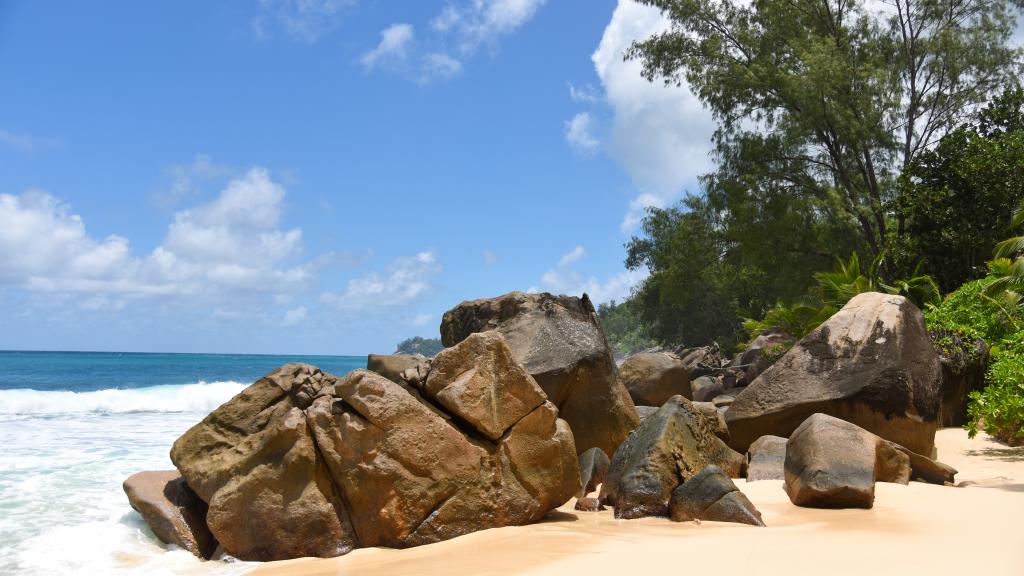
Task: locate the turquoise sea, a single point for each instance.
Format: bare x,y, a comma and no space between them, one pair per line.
74,425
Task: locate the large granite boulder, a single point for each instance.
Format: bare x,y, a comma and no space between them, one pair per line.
255,462
766,459
964,363
173,511
831,463
394,366
758,355
872,363
706,388
653,377
559,341
712,495
668,448
305,464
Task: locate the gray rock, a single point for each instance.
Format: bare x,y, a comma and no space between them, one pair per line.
872,364
715,418
669,447
766,459
964,363
759,354
593,469
711,495
706,388
653,377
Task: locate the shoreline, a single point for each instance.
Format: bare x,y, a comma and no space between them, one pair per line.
919,527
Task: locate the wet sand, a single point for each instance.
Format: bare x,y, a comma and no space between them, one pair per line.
920,527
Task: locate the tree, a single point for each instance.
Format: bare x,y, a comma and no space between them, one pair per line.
419,345
825,102
953,199
623,327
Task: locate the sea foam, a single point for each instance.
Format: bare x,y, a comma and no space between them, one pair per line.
200,397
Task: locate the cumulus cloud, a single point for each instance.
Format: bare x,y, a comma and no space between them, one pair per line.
439,66
302,20
661,135
563,278
231,243
295,316
579,133
406,280
481,21
393,47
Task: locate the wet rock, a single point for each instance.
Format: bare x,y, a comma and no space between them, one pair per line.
173,511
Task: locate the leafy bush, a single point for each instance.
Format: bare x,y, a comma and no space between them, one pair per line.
999,408
419,345
624,328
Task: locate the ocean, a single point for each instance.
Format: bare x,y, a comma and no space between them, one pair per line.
74,425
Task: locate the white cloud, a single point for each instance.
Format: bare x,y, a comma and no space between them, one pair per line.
232,243
26,143
446,19
295,316
563,278
187,179
586,94
439,66
578,133
660,135
393,47
407,280
304,20
483,21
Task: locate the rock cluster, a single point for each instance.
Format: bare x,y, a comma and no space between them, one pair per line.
559,341
305,464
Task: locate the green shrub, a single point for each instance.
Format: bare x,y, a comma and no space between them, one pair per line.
998,409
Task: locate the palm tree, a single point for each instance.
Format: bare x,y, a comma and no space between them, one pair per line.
1008,265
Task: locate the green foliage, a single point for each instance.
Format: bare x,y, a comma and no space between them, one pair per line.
998,409
797,320
623,327
952,200
823,103
419,345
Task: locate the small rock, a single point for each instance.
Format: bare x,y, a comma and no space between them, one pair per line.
173,511
593,469
766,459
588,505
706,388
711,495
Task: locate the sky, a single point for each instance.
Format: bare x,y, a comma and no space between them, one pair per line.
320,176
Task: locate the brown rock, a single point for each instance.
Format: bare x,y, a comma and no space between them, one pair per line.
593,469
668,448
480,382
871,364
759,354
964,363
559,341
715,418
702,360
394,366
588,505
706,388
711,495
254,462
173,511
653,377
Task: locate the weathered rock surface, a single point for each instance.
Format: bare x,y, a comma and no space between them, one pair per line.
588,505
964,363
173,511
593,469
559,341
706,388
831,463
644,411
254,461
701,360
766,459
758,355
304,464
712,495
715,418
669,447
653,377
872,363
394,366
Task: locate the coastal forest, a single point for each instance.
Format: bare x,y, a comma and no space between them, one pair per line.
853,153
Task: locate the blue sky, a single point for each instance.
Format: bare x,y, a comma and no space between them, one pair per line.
319,176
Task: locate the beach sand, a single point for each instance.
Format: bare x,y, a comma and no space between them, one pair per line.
921,528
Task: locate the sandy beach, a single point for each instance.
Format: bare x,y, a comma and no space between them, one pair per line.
925,528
